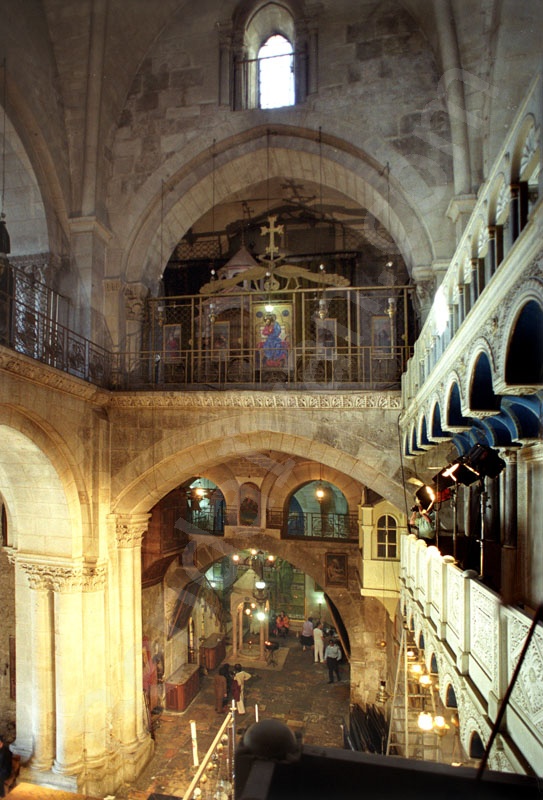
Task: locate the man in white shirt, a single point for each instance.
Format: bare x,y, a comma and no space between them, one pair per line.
318,638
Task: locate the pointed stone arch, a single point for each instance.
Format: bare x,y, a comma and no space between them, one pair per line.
160,467
54,482
163,211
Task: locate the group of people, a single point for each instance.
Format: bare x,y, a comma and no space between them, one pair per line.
229,684
312,637
282,625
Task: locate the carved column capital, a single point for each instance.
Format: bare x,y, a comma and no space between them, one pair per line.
64,578
135,297
130,529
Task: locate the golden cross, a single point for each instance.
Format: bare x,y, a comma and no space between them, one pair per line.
271,249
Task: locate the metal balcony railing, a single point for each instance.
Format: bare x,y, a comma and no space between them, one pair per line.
314,525
30,323
351,338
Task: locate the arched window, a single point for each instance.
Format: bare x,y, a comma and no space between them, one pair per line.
387,537
318,509
268,57
276,73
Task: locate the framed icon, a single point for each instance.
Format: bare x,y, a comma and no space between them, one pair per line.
172,343
336,569
220,341
273,335
381,336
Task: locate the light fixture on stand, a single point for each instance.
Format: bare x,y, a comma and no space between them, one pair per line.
479,463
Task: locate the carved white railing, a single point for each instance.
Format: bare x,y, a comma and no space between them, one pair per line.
477,642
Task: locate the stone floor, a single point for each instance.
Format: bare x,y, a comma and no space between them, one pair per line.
298,693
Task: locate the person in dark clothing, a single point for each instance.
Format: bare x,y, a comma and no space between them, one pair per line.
226,671
5,765
333,656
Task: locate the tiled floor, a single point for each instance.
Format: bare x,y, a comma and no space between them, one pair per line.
298,694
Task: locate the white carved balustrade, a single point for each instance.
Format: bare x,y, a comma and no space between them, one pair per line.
477,642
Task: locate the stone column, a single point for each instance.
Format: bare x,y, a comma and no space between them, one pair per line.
514,212
135,300
129,533
461,307
312,60
225,59
69,674
509,526
42,672
452,86
88,241
474,284
95,667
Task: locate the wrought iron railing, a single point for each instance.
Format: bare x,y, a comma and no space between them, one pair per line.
353,338
314,525
356,366
30,315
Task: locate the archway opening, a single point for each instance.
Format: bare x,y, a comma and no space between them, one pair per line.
318,509
524,365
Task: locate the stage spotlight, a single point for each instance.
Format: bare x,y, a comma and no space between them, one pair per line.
443,480
485,461
457,472
425,497
480,462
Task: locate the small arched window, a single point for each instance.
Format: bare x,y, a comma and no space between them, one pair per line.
387,537
268,57
276,73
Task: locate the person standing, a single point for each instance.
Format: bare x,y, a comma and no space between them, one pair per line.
306,636
332,655
6,763
318,638
219,685
238,687
286,623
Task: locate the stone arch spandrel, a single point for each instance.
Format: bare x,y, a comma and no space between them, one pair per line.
148,474
42,488
163,212
285,485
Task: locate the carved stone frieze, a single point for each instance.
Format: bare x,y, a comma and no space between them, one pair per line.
257,400
503,201
135,295
482,242
454,602
24,367
529,149
64,578
483,630
528,692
